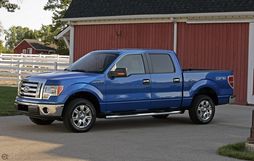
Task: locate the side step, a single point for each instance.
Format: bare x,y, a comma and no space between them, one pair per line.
143,114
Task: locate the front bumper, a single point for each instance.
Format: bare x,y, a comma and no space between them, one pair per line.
43,110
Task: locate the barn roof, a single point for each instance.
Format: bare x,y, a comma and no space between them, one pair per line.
101,8
36,44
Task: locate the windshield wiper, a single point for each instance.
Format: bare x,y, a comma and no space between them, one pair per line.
78,70
66,69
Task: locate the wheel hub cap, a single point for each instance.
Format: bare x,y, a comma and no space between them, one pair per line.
81,116
204,110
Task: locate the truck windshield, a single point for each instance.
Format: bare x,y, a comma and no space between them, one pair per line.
95,62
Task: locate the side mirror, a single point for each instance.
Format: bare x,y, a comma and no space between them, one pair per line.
119,72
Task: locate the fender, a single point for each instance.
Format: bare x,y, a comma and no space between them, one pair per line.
203,84
188,95
83,87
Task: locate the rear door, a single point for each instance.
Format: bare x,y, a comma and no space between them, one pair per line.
166,81
129,93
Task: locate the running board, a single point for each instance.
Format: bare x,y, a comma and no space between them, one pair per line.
143,114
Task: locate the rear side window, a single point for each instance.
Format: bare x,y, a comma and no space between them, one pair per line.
133,63
161,63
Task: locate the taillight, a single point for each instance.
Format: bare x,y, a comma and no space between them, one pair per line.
231,81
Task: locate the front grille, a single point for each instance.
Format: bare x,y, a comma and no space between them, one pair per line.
29,89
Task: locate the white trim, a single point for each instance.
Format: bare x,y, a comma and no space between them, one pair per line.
250,95
24,51
66,42
121,21
31,46
61,34
29,50
220,21
251,13
22,42
71,49
175,37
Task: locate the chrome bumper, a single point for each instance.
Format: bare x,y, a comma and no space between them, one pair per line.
39,109
231,99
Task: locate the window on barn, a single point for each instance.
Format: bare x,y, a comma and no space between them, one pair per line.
29,51
24,51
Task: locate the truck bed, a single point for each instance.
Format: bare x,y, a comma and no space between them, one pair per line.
214,79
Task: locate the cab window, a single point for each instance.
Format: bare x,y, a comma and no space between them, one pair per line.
133,63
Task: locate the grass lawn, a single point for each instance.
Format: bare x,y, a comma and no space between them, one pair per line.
7,97
236,151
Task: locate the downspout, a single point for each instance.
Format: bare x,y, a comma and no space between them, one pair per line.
250,88
175,37
71,49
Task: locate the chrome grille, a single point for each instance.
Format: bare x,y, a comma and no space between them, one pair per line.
29,89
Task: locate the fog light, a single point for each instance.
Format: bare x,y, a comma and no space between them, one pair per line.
45,110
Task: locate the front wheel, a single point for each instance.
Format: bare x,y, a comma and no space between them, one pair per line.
80,115
41,121
202,110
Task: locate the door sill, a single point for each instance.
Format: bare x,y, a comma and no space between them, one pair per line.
143,114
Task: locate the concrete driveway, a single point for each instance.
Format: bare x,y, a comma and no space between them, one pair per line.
133,139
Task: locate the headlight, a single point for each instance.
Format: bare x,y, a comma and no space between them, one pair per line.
52,91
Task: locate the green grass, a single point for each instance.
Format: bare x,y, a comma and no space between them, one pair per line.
7,97
236,151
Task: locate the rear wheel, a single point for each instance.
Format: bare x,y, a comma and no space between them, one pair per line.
160,116
41,121
203,110
80,115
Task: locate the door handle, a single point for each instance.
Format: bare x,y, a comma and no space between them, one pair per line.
146,81
176,80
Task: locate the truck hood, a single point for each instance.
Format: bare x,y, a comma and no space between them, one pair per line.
65,76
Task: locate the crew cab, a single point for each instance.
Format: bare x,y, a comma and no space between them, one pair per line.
123,83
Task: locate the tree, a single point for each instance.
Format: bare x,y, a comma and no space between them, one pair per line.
11,7
58,7
3,49
46,34
16,34
1,29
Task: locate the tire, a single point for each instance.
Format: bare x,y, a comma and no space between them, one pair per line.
160,116
41,121
202,110
79,116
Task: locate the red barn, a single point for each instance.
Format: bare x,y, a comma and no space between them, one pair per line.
217,34
32,46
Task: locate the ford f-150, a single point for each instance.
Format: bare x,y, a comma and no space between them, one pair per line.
123,83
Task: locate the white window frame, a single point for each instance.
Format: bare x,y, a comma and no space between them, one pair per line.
24,51
29,51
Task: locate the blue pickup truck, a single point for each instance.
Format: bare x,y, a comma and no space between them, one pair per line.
123,83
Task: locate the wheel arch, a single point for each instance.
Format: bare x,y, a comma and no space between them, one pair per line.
208,92
86,95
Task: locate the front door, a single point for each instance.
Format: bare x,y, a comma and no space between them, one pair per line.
251,66
129,93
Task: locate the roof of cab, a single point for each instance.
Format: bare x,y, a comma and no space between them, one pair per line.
135,51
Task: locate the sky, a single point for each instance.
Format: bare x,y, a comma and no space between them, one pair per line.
30,14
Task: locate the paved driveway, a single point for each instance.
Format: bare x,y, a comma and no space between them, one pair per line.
134,139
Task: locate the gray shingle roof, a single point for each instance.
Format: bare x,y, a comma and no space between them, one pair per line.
38,45
97,8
